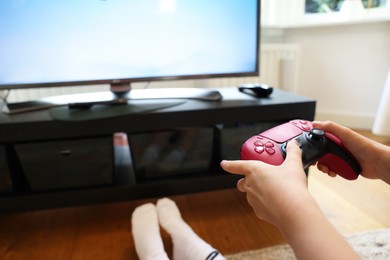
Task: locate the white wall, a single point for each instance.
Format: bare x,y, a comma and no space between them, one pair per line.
343,67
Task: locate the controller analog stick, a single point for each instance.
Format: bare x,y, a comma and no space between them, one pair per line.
316,134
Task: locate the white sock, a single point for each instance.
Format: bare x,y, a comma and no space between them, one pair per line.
146,233
186,244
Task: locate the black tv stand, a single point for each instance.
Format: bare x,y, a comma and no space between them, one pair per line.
117,96
35,137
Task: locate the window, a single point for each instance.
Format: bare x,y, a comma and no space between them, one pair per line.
327,6
322,6
298,13
368,4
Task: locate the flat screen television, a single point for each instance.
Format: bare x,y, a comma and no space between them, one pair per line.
116,42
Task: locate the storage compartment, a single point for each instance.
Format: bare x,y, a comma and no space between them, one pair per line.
176,152
67,163
232,137
5,175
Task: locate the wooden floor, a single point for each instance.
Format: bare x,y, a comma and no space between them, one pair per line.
222,218
353,206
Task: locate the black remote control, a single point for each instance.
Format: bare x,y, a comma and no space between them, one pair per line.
257,90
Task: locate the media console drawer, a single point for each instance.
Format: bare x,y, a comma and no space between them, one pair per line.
5,177
67,163
175,152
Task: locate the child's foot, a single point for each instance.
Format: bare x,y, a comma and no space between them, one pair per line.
186,244
146,233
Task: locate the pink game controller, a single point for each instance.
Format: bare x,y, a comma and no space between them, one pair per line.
316,145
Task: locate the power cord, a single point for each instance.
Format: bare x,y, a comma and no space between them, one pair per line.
147,85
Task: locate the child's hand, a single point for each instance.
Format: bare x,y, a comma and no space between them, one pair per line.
374,158
272,191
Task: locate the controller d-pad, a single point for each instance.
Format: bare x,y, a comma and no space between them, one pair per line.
259,149
258,143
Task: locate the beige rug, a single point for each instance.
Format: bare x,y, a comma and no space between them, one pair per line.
373,245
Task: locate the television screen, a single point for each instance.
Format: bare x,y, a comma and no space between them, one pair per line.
72,42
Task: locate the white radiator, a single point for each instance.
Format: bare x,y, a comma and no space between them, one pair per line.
279,64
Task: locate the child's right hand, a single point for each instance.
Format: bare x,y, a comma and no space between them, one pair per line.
374,158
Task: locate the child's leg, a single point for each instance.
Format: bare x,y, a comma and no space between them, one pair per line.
186,244
146,233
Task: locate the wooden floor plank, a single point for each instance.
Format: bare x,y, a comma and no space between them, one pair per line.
352,206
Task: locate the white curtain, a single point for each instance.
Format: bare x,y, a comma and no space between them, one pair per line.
382,118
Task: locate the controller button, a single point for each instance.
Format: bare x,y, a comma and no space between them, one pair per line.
259,149
260,137
270,150
304,122
258,143
306,128
269,144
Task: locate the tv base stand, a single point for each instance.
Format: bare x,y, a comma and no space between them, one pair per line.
113,97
